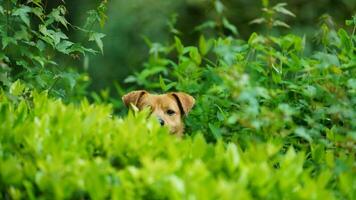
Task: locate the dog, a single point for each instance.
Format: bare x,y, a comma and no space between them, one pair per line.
169,108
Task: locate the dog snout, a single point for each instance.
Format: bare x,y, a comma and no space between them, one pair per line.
161,121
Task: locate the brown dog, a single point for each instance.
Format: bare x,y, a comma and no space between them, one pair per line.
168,108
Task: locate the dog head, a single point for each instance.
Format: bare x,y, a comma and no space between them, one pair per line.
169,108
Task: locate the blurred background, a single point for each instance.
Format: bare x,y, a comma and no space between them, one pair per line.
129,22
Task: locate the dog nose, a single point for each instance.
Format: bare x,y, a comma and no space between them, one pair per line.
161,121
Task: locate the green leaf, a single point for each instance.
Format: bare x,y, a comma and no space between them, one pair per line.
253,39
2,10
351,21
301,132
41,45
162,83
232,157
102,13
24,64
64,46
219,7
258,21
5,77
309,91
215,131
345,40
229,26
204,45
38,11
58,15
265,3
52,37
199,146
94,36
130,79
179,45
280,7
70,77
194,54
206,25
22,34
7,40
93,17
327,60
280,23
351,83
17,88
57,36
79,48
22,12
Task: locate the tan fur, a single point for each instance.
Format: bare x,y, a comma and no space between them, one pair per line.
170,107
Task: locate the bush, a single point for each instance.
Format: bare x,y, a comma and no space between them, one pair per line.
34,46
52,150
270,121
263,87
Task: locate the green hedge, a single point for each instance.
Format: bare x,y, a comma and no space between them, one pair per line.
49,150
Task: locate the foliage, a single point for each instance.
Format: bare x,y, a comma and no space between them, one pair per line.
34,45
270,15
266,88
49,150
130,20
270,121
221,24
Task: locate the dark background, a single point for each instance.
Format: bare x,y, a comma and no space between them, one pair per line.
130,20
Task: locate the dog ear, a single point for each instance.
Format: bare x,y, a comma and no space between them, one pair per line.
185,102
133,97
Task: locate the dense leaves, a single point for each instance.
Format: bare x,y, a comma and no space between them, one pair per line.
266,86
271,121
51,150
34,44
268,89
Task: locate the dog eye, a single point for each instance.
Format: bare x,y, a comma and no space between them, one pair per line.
170,112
